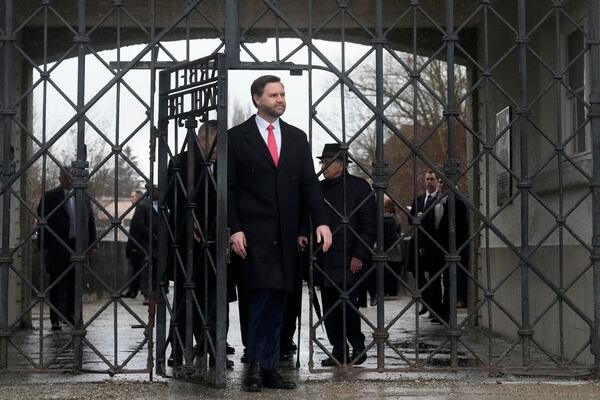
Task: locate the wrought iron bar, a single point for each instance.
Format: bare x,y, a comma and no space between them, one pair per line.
524,184
101,92
164,240
380,184
190,258
559,167
7,115
80,180
222,234
232,33
594,115
153,264
451,167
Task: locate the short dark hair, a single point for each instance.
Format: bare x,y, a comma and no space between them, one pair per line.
209,127
258,86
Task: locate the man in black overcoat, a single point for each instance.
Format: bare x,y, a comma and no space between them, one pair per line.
420,209
57,208
142,230
135,257
437,222
203,216
270,176
338,271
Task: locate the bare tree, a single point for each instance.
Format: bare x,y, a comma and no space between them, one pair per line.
240,112
415,102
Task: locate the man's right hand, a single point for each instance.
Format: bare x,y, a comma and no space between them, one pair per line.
238,243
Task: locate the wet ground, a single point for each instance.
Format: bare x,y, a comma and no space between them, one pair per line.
106,345
471,388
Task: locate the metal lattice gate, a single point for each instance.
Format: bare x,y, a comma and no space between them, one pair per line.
500,101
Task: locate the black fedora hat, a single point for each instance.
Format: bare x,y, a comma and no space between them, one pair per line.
332,150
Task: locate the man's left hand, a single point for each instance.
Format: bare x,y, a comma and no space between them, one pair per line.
324,235
356,265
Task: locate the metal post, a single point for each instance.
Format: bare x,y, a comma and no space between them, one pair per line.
79,171
524,185
222,234
190,125
232,33
7,115
451,171
594,115
156,287
163,237
380,184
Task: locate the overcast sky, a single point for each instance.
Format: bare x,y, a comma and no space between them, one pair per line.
130,114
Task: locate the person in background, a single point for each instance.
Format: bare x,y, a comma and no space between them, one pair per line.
348,257
57,217
136,259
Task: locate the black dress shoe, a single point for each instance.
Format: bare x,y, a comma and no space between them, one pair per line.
289,348
273,380
331,361
229,350
423,310
175,361
357,358
253,380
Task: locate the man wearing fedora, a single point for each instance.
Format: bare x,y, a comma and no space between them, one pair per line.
337,272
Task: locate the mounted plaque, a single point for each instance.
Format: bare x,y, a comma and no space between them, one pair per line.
503,152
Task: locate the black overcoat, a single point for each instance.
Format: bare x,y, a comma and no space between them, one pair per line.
416,207
362,220
436,249
57,219
264,202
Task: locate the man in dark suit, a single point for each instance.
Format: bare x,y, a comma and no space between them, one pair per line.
57,238
201,192
136,258
270,176
437,223
142,231
419,209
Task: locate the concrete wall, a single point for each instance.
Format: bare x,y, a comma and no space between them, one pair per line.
560,257
18,214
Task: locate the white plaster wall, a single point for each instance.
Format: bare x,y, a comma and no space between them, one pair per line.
559,257
15,284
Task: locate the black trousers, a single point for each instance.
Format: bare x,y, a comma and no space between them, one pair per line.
440,295
334,324
265,318
203,319
291,313
137,262
62,293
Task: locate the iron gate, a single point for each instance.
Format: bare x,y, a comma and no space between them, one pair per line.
511,128
193,239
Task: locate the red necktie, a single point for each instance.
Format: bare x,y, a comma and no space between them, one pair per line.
272,145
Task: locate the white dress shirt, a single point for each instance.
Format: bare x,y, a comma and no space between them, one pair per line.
264,132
